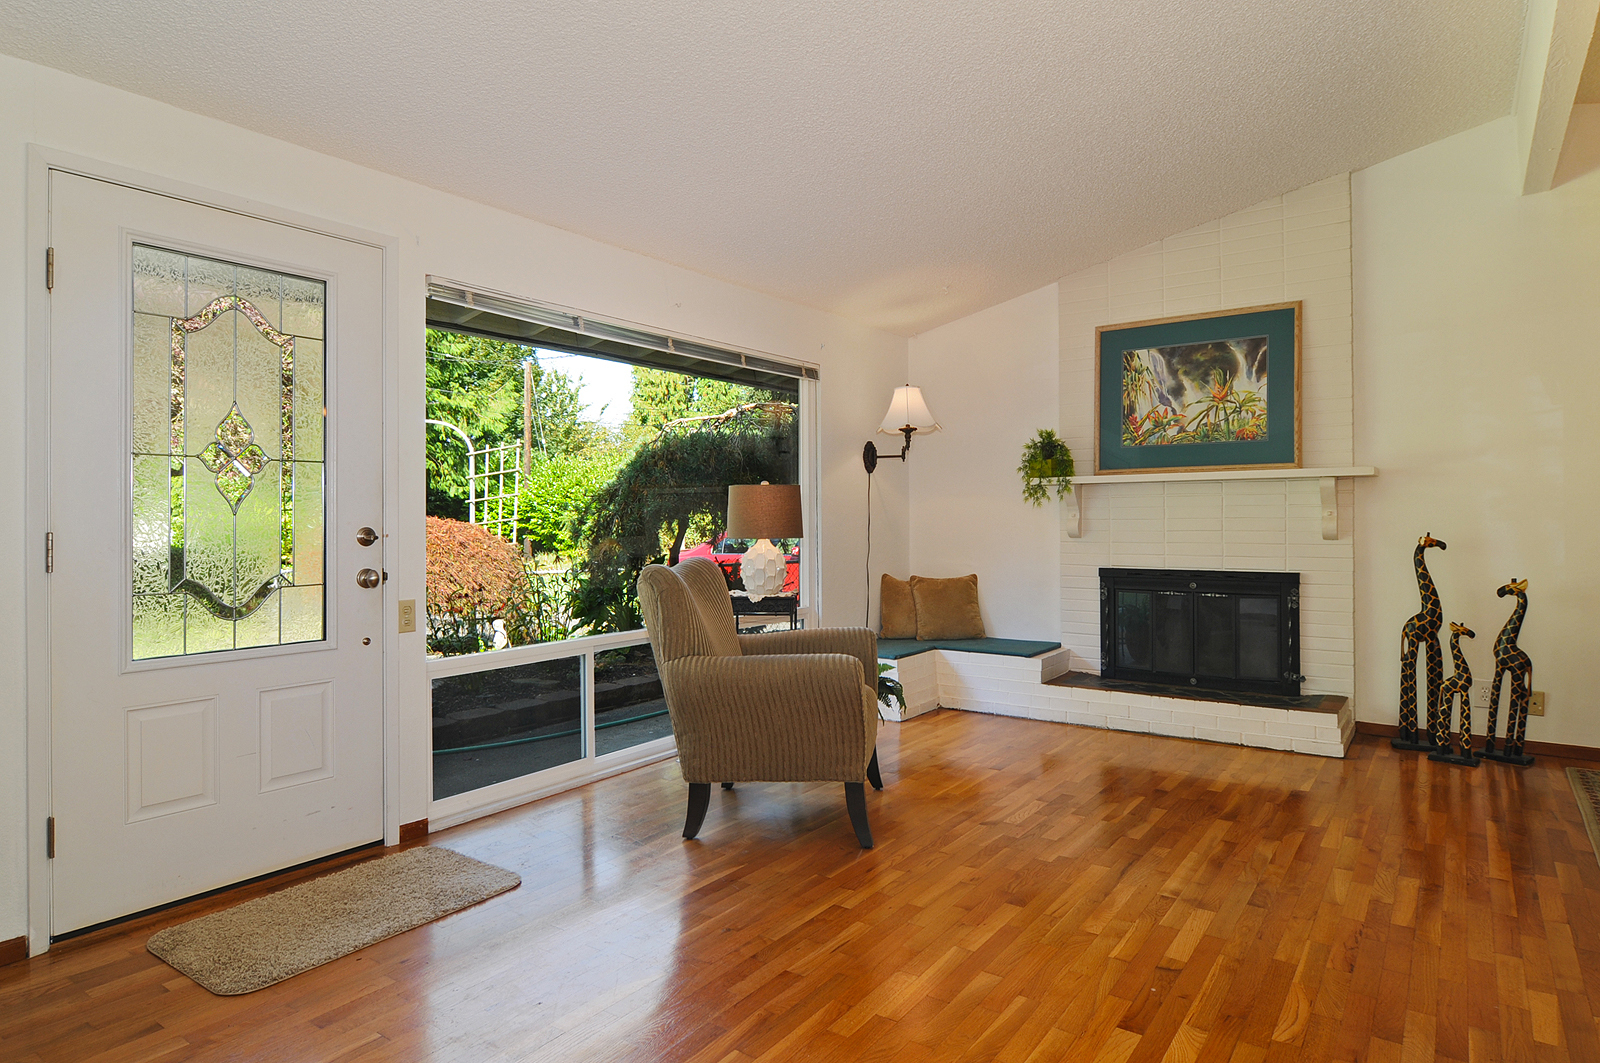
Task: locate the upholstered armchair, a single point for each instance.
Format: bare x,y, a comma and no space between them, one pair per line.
783,706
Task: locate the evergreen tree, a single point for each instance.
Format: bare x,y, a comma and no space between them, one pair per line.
476,384
670,484
660,396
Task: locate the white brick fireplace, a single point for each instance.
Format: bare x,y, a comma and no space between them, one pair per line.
1295,246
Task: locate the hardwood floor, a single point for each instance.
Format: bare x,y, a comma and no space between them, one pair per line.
1038,892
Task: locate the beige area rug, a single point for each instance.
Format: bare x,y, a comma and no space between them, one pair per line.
1586,787
252,945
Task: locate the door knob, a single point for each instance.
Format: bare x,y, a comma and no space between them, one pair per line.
368,577
366,536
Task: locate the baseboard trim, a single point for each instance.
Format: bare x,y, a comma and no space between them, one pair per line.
1547,749
13,951
410,832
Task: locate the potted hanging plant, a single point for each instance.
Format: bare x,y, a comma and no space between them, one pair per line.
1045,461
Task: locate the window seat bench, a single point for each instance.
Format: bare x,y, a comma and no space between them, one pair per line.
985,675
894,649
1019,677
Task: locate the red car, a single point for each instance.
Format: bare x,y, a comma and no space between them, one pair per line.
727,553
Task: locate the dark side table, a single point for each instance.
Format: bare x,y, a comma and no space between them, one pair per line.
778,605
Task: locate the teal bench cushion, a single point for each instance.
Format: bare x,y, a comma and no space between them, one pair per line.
894,649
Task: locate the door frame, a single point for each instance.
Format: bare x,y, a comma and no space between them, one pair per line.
36,600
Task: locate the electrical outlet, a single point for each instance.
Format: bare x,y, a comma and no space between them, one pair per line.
1480,697
1536,703
408,615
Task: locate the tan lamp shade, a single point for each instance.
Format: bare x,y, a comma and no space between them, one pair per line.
764,511
907,410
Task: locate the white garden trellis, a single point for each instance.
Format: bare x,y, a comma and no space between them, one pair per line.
496,478
494,483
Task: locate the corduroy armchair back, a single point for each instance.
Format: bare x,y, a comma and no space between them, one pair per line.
787,706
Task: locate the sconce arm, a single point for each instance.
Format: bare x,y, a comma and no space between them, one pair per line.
870,455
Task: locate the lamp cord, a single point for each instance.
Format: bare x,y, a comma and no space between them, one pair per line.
866,615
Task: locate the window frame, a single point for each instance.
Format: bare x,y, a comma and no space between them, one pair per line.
486,800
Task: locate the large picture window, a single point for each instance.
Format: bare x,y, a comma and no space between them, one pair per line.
562,457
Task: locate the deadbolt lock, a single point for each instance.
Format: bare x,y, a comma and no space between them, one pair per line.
368,577
366,536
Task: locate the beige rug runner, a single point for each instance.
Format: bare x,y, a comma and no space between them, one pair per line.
1586,787
254,944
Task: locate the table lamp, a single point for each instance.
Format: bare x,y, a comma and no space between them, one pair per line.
763,512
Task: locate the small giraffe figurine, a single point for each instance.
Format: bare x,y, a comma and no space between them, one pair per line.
1509,658
1459,683
1422,630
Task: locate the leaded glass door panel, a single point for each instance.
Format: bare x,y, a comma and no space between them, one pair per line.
215,444
227,513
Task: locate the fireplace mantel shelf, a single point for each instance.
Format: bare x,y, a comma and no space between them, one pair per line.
1072,514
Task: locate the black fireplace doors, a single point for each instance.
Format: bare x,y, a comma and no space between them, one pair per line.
1197,629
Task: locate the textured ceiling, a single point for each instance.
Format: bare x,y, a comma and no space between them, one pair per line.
903,162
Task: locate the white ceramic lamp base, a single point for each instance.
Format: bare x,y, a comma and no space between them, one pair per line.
763,569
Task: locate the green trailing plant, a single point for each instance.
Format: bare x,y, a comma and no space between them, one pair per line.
1045,461
890,690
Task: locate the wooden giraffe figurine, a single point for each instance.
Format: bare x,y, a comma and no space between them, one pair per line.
1459,683
1422,630
1509,659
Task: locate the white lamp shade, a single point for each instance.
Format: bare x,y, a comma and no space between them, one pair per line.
907,410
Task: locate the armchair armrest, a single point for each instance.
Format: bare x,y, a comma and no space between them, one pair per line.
859,642
771,718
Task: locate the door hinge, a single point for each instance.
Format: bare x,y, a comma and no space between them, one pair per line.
49,268
50,838
49,552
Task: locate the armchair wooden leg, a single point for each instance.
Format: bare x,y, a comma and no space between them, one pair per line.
727,786
699,801
873,775
855,800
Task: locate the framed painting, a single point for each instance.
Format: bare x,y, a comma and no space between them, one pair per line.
1189,394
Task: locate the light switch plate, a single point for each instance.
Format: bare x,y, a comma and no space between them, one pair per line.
408,615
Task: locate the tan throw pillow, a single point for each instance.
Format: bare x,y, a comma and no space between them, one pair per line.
947,608
897,613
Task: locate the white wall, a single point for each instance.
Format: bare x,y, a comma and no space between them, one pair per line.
1477,314
990,379
438,234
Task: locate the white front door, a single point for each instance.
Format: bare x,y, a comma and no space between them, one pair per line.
215,455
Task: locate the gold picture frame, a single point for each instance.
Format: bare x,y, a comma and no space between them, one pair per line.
1147,371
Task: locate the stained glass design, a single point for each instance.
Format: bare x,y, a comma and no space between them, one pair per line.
234,457
228,418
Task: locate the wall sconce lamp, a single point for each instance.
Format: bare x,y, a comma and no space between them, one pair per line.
907,415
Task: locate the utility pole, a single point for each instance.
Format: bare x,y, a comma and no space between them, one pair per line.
527,414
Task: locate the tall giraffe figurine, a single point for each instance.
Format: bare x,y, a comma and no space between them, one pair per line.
1509,658
1423,630
1459,683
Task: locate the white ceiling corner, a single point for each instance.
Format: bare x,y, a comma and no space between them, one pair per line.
901,163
